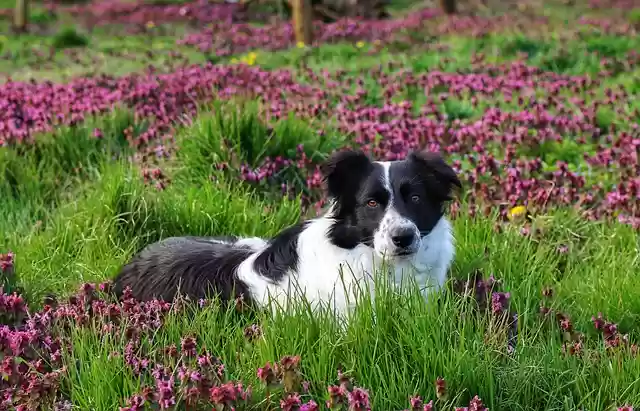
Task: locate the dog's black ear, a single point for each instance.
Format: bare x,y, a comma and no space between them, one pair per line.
442,176
343,170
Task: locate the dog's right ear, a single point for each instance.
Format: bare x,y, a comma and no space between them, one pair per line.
343,170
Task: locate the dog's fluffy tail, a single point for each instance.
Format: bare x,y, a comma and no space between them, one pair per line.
194,267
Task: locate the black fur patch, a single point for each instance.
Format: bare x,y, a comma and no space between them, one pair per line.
438,176
195,266
344,173
281,255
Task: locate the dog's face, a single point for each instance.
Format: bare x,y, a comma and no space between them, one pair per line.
389,206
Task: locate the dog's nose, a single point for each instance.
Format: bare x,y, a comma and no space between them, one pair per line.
403,238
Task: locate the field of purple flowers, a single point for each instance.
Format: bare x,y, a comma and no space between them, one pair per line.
123,123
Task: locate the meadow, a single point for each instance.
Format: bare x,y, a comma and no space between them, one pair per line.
124,123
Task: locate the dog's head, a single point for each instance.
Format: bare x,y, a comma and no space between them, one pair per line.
389,206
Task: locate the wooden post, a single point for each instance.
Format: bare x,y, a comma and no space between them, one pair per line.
448,6
21,16
302,21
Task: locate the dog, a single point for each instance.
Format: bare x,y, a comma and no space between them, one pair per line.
377,211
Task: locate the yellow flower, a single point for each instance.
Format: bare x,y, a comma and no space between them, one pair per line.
150,24
517,211
360,44
234,61
300,44
251,58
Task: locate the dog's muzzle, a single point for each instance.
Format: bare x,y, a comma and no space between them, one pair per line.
405,241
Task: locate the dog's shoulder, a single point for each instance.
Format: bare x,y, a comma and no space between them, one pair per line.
280,256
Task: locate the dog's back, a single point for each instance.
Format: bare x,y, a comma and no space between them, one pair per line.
196,267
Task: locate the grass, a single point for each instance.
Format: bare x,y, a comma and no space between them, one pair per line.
74,208
127,54
51,57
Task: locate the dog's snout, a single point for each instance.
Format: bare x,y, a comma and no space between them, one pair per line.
403,238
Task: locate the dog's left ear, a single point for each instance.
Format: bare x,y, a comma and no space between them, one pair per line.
433,166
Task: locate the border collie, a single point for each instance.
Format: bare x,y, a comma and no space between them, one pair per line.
378,211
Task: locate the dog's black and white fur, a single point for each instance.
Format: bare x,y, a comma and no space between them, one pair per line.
378,210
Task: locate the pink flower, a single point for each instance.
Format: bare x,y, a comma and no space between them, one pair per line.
358,400
6,262
311,406
291,402
441,388
188,346
499,302
223,394
267,374
337,396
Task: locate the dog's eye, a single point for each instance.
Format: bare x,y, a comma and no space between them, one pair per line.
415,198
372,203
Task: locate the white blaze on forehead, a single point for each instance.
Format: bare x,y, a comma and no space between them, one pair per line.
386,180
392,219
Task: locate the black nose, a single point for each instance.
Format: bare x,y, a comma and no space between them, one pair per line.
403,238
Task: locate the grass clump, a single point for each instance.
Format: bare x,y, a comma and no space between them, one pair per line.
69,37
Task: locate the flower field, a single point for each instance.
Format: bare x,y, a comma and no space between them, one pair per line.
123,123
